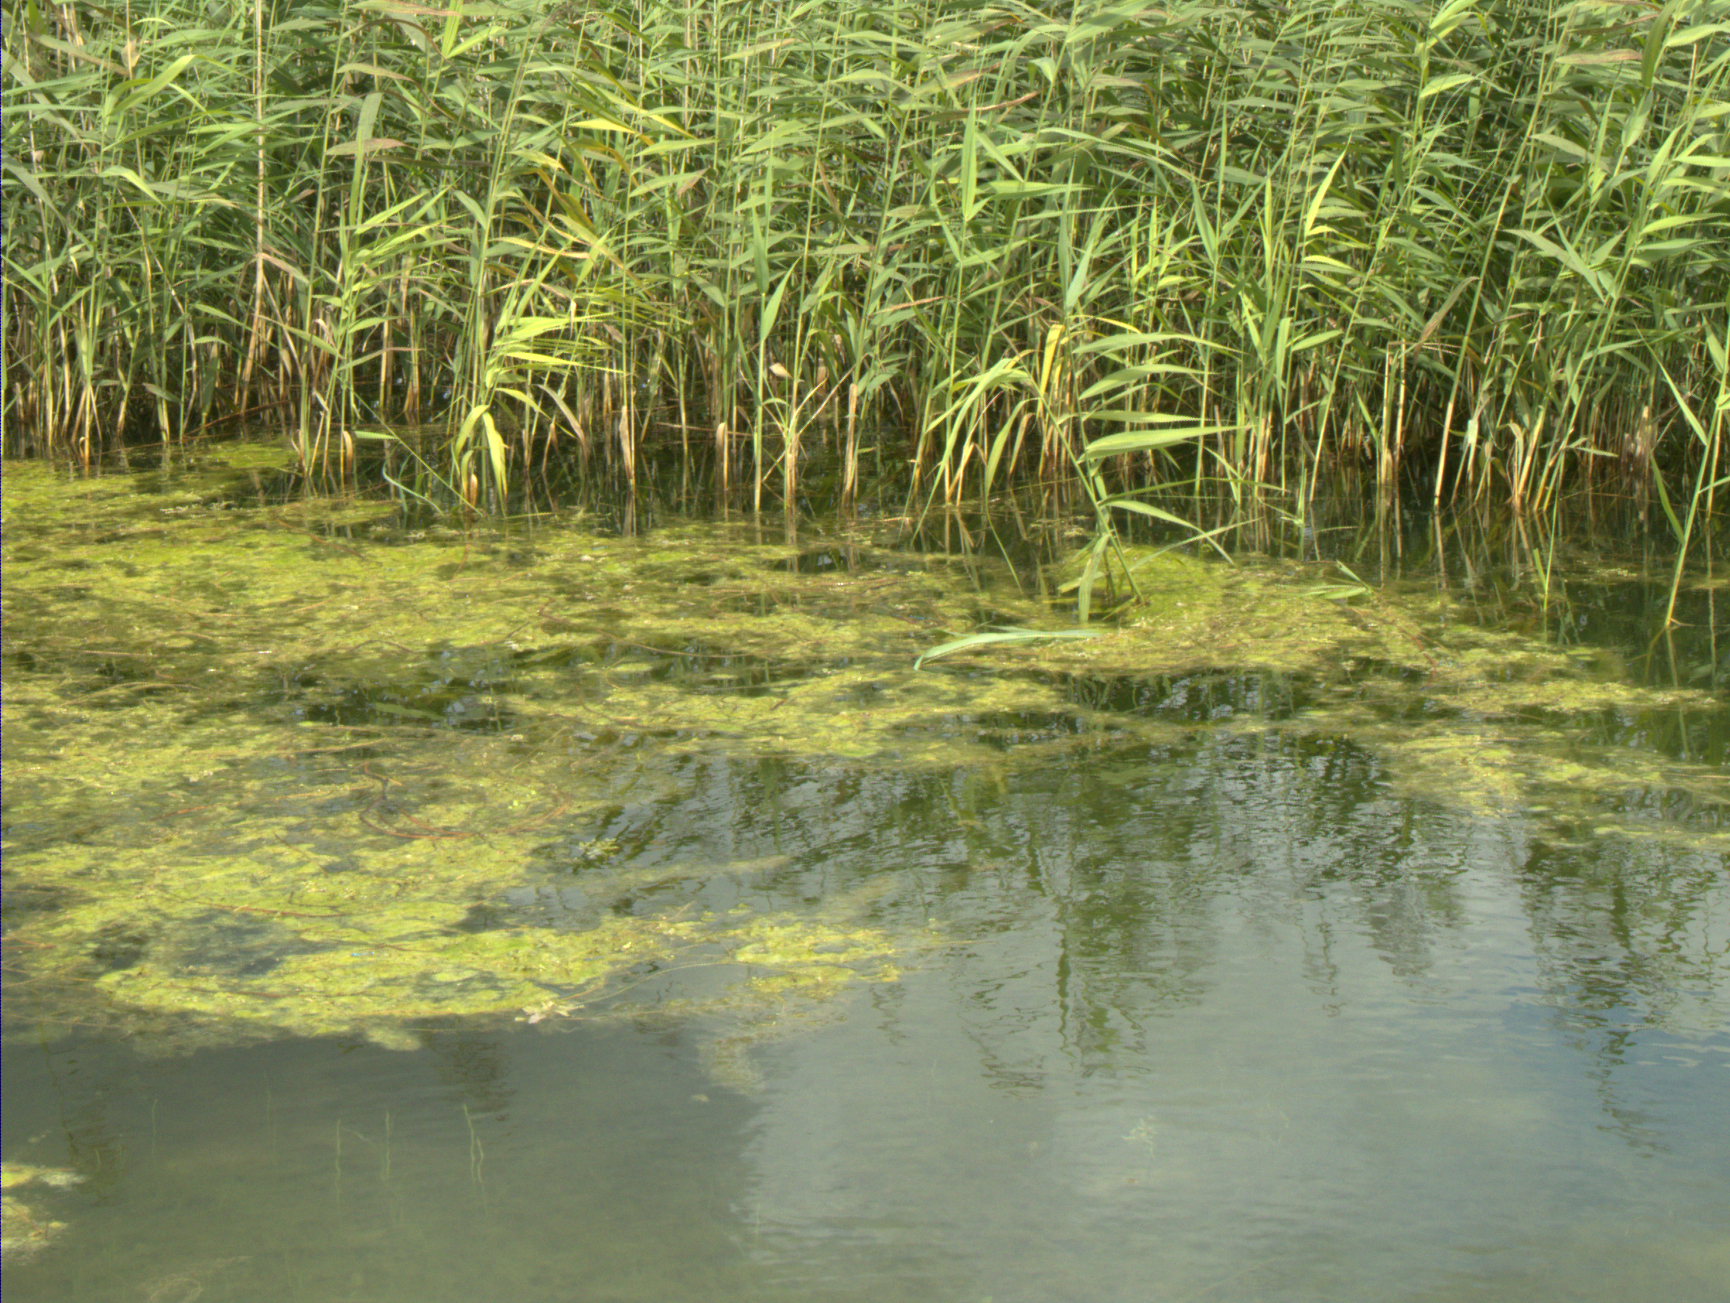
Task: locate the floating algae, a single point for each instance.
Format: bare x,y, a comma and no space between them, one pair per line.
248,947
25,1228
289,771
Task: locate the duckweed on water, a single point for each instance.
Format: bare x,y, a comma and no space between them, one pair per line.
289,772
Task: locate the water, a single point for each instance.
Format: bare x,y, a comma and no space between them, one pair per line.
1223,985
1198,1030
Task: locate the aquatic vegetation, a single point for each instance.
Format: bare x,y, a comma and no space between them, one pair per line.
1478,245
269,773
25,1229
55,1178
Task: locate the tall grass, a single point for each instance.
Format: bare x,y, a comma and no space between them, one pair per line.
1482,243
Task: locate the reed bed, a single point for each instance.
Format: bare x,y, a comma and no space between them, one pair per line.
1482,246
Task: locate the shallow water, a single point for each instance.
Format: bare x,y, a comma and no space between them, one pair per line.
1202,986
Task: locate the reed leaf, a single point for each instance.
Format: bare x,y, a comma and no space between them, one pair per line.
1477,245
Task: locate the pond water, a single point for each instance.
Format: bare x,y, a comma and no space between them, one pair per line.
549,915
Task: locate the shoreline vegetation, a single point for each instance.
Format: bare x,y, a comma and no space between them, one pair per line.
1479,249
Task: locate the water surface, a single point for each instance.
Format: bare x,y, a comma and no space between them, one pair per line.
1337,980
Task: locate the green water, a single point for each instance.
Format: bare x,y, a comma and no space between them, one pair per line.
405,914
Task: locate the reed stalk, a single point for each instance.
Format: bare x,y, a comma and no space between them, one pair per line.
1481,245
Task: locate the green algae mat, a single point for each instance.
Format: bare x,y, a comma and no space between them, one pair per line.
297,770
